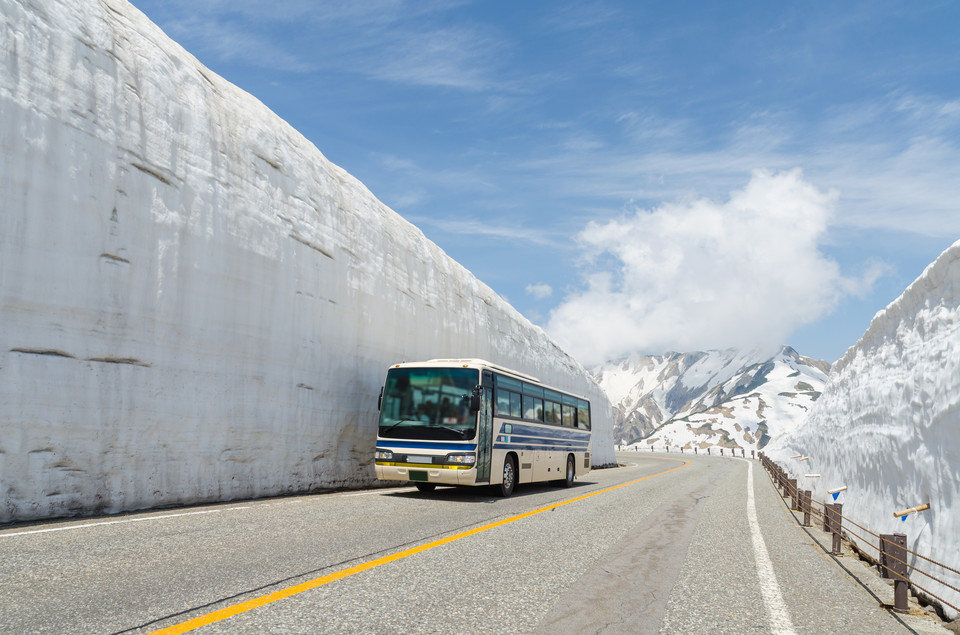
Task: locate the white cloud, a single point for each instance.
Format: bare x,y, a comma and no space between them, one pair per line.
704,274
540,290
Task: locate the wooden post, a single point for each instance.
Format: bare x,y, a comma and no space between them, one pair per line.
834,517
806,504
794,495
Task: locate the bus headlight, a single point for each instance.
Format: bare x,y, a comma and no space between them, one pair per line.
383,455
468,458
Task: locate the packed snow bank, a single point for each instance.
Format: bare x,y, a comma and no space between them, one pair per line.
888,424
195,304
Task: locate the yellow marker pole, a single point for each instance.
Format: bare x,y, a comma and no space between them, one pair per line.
911,510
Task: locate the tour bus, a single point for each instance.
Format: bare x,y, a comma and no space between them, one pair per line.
470,422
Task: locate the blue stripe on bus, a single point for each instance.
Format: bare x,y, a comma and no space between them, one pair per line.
518,446
550,432
515,438
389,444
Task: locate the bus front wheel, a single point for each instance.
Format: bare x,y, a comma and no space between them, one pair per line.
426,487
509,481
571,473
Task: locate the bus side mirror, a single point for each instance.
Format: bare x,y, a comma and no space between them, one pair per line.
475,399
380,399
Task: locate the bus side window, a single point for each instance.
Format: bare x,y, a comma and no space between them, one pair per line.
551,412
503,402
515,409
532,408
583,414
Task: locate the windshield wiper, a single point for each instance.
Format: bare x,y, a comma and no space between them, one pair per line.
396,425
462,433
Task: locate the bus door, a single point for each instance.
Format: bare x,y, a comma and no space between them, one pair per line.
485,429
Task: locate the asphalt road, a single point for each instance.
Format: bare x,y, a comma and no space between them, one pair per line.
663,544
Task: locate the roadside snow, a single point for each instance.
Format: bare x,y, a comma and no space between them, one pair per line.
196,304
888,424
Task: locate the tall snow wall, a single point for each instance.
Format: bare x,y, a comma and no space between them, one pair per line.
195,305
888,425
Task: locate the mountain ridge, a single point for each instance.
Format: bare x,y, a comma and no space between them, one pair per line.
650,391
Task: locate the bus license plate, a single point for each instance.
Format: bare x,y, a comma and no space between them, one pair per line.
417,475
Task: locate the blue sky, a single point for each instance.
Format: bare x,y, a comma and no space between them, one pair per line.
633,177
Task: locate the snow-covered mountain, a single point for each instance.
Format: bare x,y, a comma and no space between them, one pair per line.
196,305
726,398
888,424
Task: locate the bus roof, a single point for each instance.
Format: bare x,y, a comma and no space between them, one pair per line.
469,363
479,364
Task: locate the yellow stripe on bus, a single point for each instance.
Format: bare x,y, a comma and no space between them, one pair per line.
431,466
263,600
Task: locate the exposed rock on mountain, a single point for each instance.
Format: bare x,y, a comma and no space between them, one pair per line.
725,398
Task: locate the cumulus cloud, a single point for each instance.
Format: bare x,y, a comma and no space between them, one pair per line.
704,274
540,290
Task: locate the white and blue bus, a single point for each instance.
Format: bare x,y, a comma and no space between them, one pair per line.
470,422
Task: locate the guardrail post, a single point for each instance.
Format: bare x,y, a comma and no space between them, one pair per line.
805,505
794,495
833,522
721,451
893,564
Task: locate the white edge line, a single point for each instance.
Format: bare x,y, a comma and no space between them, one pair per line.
118,522
777,613
379,491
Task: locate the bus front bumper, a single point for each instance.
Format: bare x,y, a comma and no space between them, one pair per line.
445,475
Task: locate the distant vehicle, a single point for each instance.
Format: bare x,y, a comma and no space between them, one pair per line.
470,422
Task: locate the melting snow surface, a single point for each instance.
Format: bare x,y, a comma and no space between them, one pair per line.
888,424
196,304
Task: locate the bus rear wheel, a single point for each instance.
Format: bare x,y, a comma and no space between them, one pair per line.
509,481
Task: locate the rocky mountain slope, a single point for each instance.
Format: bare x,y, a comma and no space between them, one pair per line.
725,398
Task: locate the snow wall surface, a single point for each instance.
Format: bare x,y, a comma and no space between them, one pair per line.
888,425
195,304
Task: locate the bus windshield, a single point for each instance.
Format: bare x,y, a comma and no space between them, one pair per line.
428,403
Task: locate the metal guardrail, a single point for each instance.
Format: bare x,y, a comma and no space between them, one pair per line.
891,547
710,451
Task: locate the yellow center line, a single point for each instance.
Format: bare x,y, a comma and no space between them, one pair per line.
243,607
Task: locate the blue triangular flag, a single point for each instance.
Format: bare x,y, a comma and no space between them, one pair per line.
836,495
903,518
